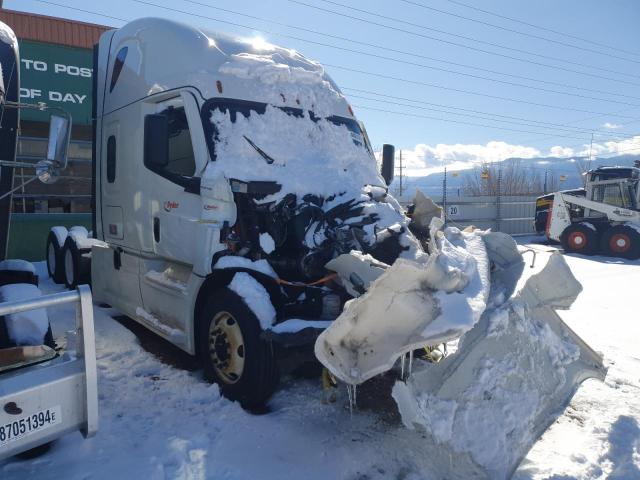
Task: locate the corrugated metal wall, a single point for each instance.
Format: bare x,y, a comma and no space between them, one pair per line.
516,213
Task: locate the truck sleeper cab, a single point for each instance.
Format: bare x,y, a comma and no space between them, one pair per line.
227,175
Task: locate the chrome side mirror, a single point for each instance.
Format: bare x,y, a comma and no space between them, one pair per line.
58,145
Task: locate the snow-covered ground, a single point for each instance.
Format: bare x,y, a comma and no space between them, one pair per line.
158,421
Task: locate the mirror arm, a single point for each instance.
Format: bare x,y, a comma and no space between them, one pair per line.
11,164
18,187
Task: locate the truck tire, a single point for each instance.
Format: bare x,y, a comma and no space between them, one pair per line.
580,238
55,259
77,267
621,241
233,353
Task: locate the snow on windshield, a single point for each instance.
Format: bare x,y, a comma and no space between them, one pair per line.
286,74
304,156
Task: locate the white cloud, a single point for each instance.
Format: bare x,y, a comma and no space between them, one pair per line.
560,152
426,156
611,126
628,146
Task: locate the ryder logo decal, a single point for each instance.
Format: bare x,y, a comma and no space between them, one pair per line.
169,205
210,207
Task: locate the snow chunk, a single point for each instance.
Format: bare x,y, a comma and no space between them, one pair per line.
230,261
61,234
256,297
286,77
294,325
25,328
267,243
18,265
163,279
177,335
409,306
316,157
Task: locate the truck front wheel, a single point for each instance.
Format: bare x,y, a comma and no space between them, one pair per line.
621,241
232,352
580,238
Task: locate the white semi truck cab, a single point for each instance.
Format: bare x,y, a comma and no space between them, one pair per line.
228,172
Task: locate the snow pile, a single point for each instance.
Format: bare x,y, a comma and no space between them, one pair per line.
153,321
230,261
256,297
310,156
409,306
285,76
507,382
61,234
7,36
18,266
24,328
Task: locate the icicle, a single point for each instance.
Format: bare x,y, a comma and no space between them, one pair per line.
402,366
351,393
410,362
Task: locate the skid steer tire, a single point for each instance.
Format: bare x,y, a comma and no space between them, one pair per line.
55,259
77,267
580,238
621,241
232,352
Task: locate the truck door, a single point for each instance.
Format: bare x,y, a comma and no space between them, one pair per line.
174,157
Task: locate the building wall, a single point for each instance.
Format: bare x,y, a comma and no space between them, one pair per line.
56,68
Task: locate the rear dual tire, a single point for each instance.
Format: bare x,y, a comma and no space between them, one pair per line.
77,267
55,258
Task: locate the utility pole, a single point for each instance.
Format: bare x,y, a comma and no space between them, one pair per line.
546,172
589,164
444,195
499,199
400,173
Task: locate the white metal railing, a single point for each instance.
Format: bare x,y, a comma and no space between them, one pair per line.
86,349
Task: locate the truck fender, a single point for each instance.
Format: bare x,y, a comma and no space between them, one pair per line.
220,278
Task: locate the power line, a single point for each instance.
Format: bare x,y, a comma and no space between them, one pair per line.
460,122
506,29
403,52
426,84
82,10
480,112
335,66
557,32
354,70
471,39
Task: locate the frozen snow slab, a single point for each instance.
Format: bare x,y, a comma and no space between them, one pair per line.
24,328
512,376
412,304
18,266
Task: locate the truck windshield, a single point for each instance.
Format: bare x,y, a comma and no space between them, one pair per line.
302,151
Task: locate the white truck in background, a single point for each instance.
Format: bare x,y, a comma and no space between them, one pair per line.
45,391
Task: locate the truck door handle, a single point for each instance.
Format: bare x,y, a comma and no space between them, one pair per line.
117,258
156,229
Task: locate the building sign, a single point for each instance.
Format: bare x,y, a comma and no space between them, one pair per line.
57,75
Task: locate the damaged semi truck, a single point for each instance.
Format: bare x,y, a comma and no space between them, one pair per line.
239,213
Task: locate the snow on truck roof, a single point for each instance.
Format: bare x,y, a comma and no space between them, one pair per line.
161,55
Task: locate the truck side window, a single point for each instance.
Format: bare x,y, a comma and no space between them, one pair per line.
609,194
167,147
111,159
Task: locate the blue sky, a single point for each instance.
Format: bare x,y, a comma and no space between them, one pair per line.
613,113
